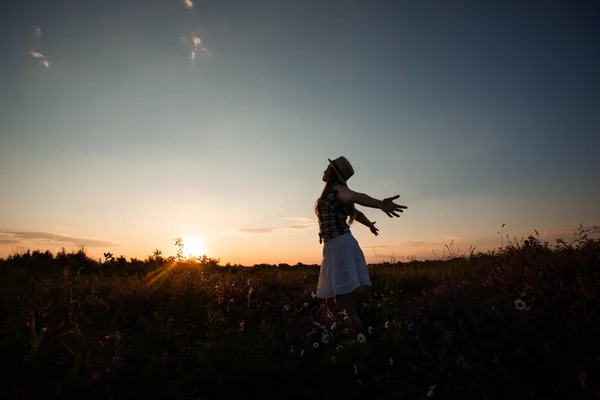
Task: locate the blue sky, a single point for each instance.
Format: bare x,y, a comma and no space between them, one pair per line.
135,122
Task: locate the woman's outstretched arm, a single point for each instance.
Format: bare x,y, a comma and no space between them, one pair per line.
362,218
387,205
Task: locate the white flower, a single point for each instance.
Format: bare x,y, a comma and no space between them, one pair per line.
520,304
361,338
334,360
387,324
370,330
325,338
339,347
286,308
302,353
305,305
292,349
391,292
391,361
355,370
410,326
316,345
430,393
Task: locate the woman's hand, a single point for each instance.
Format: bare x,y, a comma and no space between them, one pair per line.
374,230
390,208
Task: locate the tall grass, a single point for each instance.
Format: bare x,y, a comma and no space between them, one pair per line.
519,322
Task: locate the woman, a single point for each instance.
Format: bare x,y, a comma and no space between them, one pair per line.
344,268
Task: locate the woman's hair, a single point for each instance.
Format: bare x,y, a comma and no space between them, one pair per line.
333,178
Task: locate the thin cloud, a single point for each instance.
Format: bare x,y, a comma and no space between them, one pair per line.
46,63
416,243
300,223
183,39
258,231
198,44
37,32
197,41
188,4
37,54
193,55
20,236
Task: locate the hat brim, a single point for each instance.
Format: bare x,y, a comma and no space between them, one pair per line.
339,175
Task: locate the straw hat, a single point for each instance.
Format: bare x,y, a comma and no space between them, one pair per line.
342,167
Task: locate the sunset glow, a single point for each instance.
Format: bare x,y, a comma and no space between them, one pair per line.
194,246
215,120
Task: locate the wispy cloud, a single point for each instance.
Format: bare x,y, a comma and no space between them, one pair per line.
188,3
37,54
17,237
196,46
37,32
299,223
258,231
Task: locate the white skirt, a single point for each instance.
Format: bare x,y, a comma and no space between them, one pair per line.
343,268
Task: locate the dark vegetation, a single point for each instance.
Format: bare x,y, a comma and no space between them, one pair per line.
519,322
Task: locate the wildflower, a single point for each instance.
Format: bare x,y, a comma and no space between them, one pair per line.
325,338
286,308
410,326
387,324
520,305
292,349
316,345
334,360
339,347
370,330
391,361
302,353
361,338
305,305
430,393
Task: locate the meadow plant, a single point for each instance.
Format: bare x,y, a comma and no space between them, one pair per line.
517,322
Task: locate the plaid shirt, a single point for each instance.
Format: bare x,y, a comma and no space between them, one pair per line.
333,215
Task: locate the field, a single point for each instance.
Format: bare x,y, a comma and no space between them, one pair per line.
520,322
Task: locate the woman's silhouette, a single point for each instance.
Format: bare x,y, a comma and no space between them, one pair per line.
344,268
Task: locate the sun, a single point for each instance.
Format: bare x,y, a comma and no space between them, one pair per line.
193,246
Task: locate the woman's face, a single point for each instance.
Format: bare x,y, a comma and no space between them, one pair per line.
327,173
